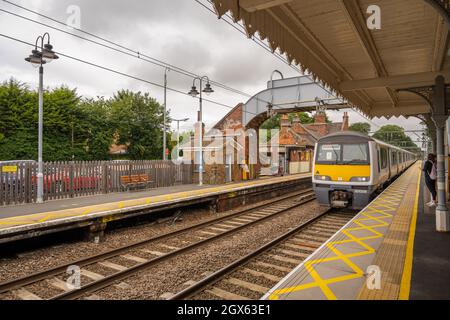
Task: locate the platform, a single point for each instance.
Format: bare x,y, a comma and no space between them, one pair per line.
389,251
24,221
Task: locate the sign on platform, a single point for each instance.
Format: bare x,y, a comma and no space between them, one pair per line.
9,169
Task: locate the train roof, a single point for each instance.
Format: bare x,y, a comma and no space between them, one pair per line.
356,137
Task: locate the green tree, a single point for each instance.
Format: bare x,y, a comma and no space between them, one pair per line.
94,133
77,128
395,135
362,127
305,118
18,122
275,121
138,120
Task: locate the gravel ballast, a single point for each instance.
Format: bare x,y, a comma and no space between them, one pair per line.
167,277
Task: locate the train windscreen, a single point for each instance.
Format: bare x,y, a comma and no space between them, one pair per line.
345,154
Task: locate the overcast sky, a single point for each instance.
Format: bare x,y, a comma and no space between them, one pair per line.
180,32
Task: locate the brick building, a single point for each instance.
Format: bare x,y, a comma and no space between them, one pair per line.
226,148
295,143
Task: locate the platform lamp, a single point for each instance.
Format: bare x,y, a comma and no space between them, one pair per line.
194,93
39,56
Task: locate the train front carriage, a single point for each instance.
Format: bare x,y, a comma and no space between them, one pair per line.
350,167
343,172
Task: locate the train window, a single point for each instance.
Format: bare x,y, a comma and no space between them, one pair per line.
384,158
329,153
379,159
343,154
355,153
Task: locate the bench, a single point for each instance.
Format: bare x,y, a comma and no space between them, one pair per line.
137,180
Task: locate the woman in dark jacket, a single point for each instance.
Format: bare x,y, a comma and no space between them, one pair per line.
429,169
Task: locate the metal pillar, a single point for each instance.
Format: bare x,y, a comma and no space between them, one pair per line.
40,175
200,140
440,120
178,139
165,115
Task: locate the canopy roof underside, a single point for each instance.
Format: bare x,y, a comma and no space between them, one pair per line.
330,40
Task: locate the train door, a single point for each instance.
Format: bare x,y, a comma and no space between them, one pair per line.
384,160
389,160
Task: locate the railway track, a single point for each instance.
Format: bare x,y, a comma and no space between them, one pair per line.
108,268
252,276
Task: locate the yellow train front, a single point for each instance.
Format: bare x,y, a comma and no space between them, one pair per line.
350,167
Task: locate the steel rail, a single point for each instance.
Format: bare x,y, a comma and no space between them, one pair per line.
39,276
109,280
218,275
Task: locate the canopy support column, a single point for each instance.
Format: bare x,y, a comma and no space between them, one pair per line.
440,117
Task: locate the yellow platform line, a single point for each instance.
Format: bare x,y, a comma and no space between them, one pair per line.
83,211
405,285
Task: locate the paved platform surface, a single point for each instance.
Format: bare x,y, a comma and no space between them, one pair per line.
63,204
431,256
378,241
96,206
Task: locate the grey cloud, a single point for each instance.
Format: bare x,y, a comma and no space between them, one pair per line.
179,32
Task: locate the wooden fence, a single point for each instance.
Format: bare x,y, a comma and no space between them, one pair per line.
18,182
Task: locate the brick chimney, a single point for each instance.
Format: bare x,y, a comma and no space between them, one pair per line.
345,123
285,123
320,117
297,125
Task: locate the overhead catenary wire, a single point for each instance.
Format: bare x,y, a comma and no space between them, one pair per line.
117,72
142,56
128,51
274,53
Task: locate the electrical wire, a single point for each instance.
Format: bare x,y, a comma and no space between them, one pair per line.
128,51
149,59
276,54
118,72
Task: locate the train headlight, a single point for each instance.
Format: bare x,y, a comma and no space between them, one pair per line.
322,178
360,179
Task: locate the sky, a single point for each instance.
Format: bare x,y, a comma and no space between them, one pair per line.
179,32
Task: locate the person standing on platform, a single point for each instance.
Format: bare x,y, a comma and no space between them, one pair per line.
430,172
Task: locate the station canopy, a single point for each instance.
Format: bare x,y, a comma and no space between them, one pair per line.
371,68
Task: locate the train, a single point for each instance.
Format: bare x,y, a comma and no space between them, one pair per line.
349,168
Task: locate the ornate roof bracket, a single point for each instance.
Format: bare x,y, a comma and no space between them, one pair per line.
443,7
425,93
428,94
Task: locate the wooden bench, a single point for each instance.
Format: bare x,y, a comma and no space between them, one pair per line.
137,180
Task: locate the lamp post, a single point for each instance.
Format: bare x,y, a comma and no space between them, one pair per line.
40,56
194,93
178,133
165,115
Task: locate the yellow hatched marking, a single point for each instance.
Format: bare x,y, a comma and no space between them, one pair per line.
367,215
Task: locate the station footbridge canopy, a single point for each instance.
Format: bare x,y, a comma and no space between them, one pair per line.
382,56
